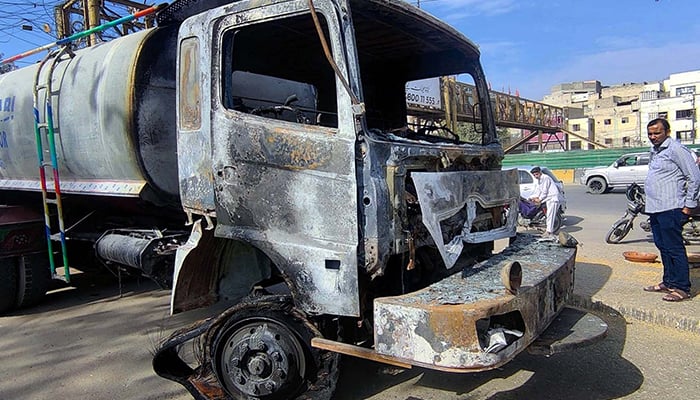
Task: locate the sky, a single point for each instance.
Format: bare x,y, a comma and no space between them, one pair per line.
526,45
532,45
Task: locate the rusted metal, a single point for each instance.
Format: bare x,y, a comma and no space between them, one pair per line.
193,286
509,110
356,351
201,380
438,327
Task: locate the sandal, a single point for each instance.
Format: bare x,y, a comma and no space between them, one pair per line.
676,295
657,288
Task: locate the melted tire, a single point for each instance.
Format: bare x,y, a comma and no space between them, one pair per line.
244,367
8,284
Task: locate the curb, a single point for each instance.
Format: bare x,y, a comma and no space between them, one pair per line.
691,325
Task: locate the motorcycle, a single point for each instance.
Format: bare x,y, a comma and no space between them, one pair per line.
635,206
533,215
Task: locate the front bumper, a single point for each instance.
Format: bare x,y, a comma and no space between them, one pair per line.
449,325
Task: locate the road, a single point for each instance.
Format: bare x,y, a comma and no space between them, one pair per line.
93,343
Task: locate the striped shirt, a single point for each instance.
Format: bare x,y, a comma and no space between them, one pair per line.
673,180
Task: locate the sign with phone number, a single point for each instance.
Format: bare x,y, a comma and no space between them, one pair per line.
425,92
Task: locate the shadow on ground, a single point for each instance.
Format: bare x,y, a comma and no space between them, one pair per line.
86,288
595,372
598,371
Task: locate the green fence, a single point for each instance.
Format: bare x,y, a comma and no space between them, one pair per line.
572,159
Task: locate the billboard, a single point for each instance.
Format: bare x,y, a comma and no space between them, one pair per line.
424,92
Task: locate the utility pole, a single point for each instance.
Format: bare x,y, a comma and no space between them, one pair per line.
73,16
91,15
448,87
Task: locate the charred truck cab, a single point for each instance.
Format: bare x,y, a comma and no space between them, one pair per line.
324,220
354,233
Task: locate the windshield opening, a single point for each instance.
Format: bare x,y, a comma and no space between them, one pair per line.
409,72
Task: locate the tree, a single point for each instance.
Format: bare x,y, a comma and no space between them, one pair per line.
470,132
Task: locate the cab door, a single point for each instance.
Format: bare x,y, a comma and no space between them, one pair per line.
283,149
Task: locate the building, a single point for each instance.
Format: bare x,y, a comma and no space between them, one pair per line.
676,100
617,115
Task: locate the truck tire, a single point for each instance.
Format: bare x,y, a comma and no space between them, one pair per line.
35,282
263,352
8,284
597,185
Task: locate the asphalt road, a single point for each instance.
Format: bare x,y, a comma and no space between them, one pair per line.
90,342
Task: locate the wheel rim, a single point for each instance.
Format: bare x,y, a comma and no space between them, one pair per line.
618,232
260,358
596,186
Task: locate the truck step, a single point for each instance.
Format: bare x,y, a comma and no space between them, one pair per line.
59,277
56,237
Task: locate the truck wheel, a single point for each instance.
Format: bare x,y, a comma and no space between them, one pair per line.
8,284
35,281
597,185
263,352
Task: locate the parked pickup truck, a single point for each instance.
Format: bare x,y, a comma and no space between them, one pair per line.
629,168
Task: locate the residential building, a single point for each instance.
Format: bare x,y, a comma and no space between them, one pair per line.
676,100
617,115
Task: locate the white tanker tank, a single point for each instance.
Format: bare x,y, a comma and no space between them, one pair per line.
114,118
113,113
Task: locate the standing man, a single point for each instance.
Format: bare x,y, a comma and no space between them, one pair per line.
546,192
671,192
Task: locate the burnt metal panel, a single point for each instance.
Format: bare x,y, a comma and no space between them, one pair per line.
287,188
154,121
436,327
443,194
195,175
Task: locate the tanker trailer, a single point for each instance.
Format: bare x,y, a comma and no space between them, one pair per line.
115,146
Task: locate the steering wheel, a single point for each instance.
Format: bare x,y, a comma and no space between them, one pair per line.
426,130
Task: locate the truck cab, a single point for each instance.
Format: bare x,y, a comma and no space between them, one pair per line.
323,217
330,219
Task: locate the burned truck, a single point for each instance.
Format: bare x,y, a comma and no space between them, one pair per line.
257,158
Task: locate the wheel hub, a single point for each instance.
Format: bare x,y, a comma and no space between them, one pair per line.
261,359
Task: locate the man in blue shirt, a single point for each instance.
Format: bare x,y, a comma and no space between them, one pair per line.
671,188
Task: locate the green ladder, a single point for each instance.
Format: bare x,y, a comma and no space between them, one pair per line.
45,133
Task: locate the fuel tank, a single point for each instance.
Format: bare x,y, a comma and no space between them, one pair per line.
113,108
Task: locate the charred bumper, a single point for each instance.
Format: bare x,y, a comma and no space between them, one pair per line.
469,321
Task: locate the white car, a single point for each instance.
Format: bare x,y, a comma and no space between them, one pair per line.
629,168
528,183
